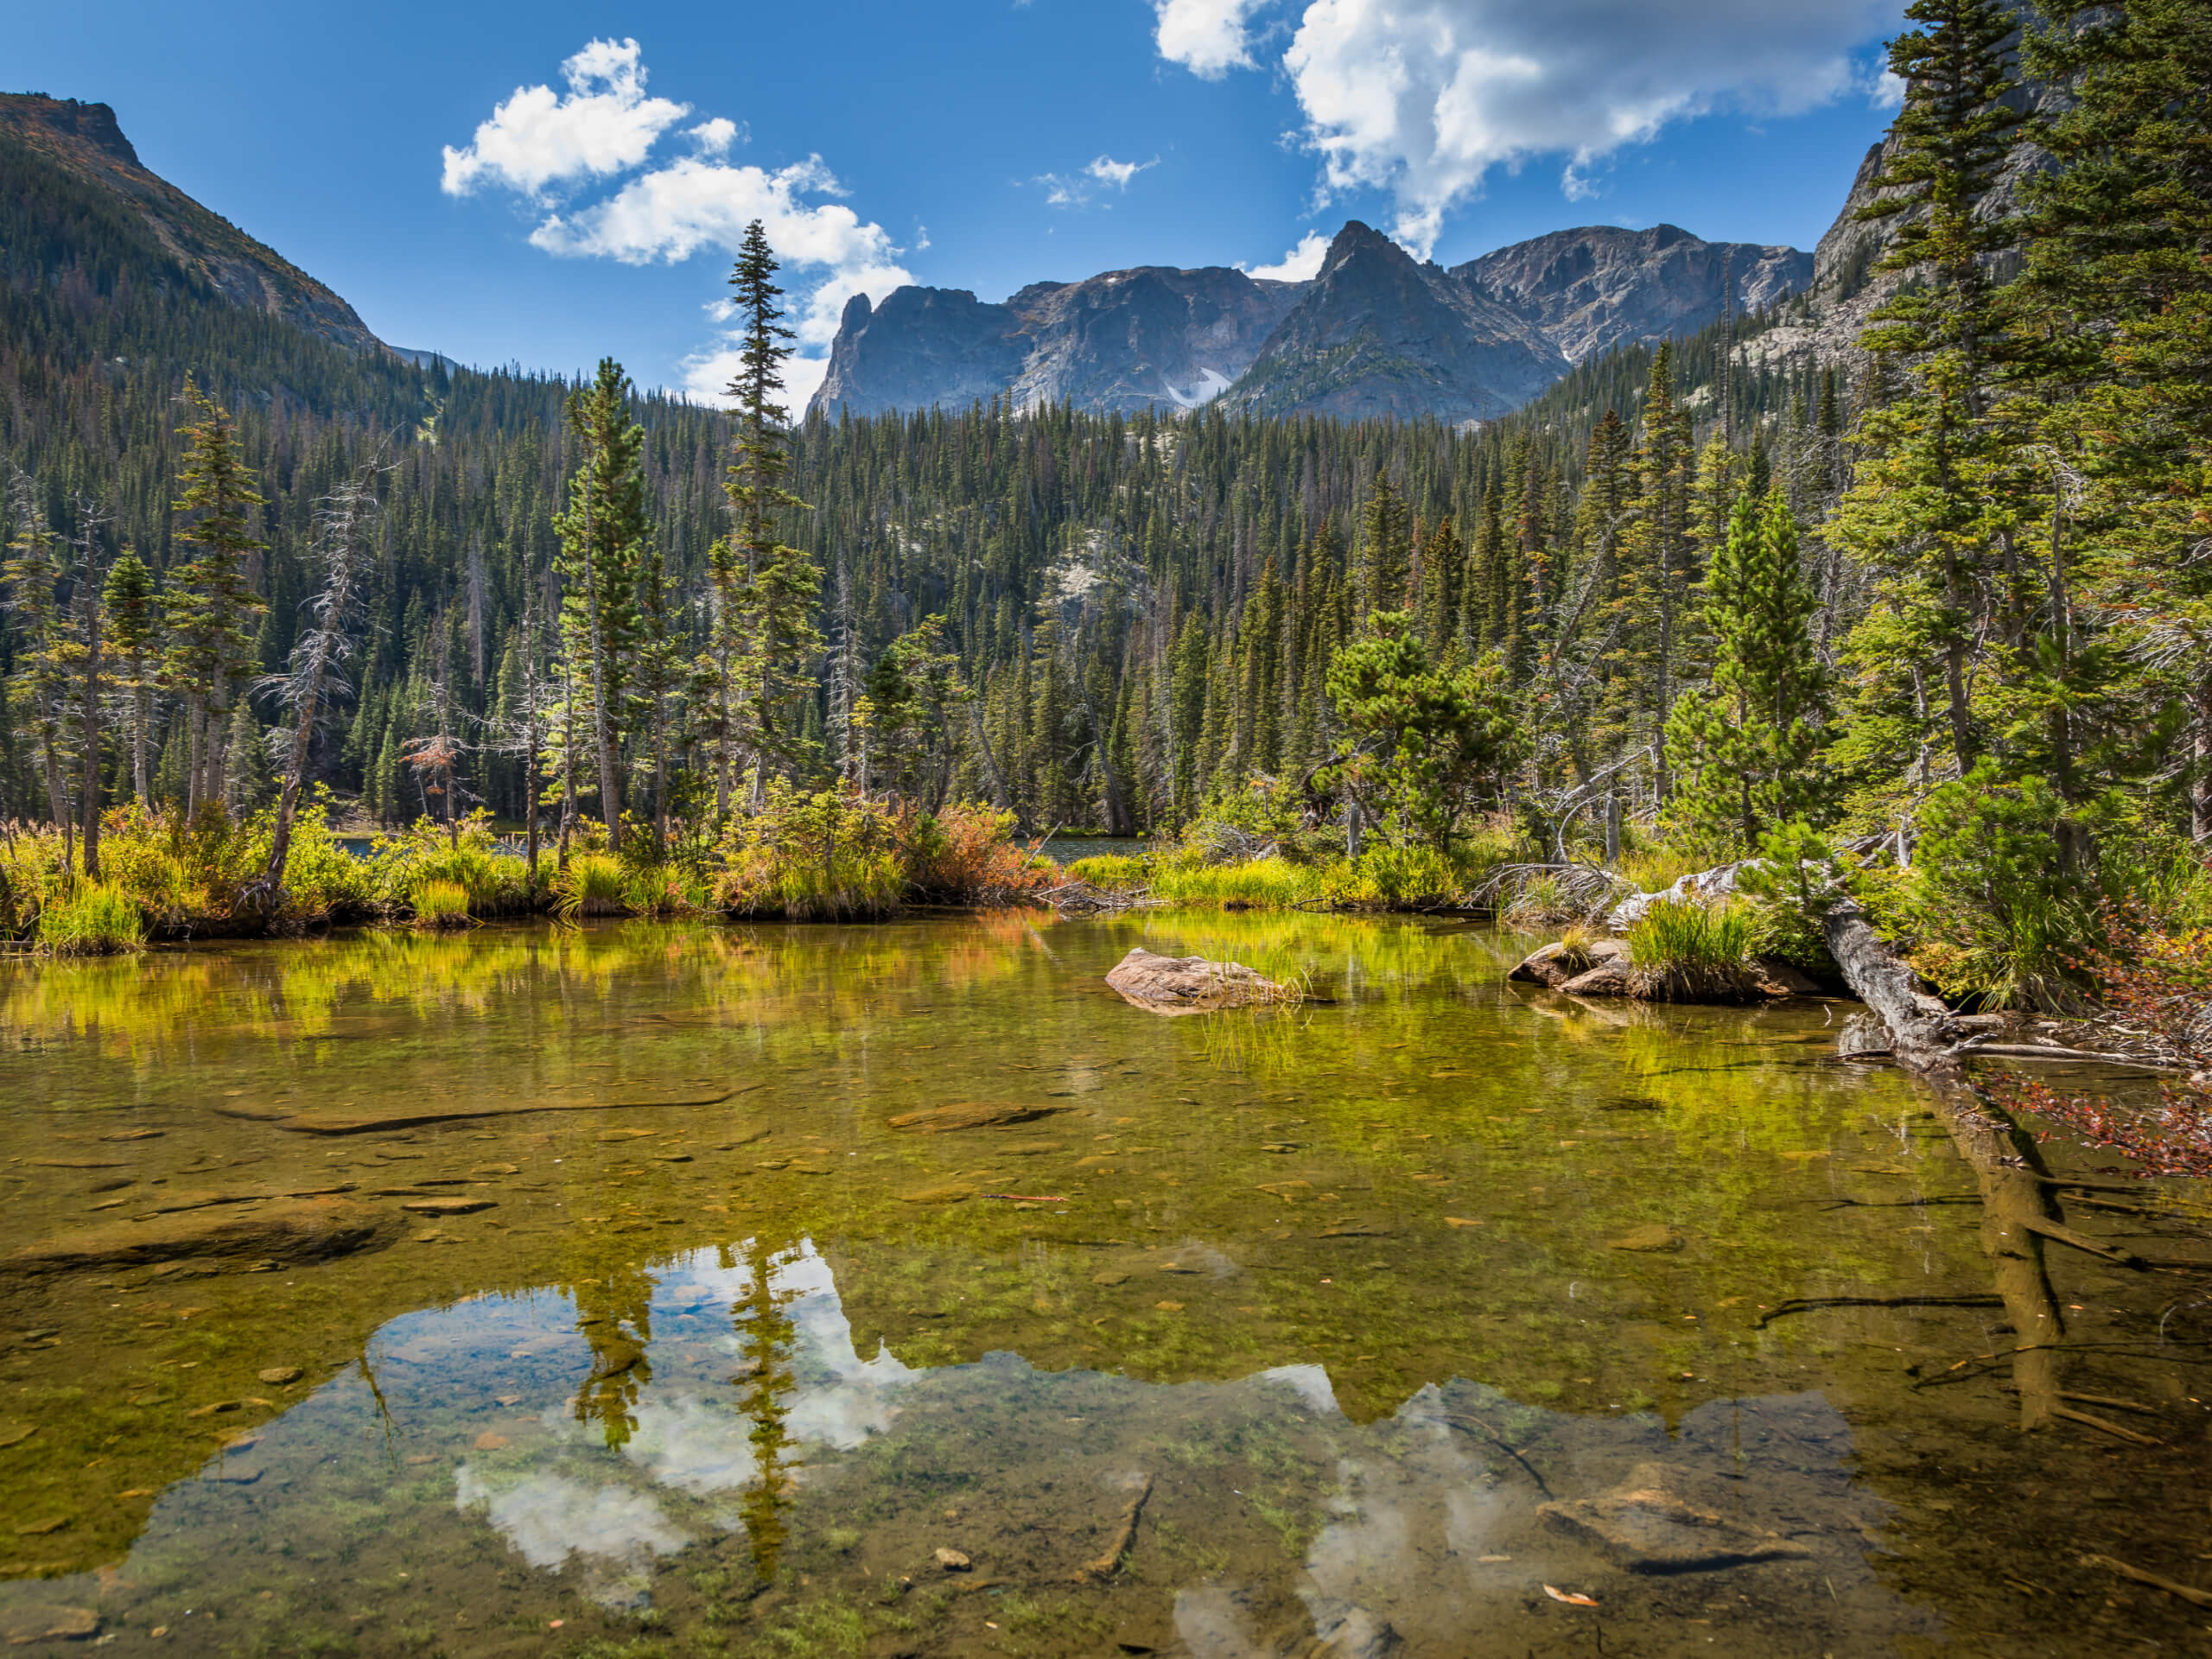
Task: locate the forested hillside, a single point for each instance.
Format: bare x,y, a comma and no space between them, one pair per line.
1956,588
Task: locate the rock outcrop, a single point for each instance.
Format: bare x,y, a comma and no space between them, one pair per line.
1175,985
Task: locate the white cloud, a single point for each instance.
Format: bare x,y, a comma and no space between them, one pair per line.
1207,37
602,125
1423,97
1301,265
691,205
1107,170
1074,189
715,137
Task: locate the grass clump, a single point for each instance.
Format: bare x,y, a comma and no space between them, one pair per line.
439,902
1111,871
97,919
1684,951
592,884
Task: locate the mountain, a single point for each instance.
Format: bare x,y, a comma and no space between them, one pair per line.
1595,287
83,140
1375,333
1125,340
1378,334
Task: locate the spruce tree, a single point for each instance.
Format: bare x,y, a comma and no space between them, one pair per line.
134,621
212,610
1932,501
1744,748
603,539
768,589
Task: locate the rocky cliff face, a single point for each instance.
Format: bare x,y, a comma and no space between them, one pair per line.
85,139
1378,334
1133,339
1593,289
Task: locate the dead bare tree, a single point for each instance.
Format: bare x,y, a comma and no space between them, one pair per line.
344,525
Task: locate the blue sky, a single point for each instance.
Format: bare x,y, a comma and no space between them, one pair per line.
549,184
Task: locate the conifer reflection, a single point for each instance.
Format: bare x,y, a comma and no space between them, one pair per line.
615,1317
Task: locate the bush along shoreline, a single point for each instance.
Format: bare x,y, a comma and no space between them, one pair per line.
165,877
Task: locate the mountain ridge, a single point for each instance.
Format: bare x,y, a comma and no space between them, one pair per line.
1375,332
87,141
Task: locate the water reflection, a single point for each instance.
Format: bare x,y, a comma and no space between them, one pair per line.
1274,1524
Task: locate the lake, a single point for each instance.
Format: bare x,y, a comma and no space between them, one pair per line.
535,1291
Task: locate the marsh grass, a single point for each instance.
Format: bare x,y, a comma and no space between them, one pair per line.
439,902
1683,952
594,884
94,920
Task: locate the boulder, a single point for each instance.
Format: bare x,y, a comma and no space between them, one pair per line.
1553,965
1614,978
1173,985
283,1231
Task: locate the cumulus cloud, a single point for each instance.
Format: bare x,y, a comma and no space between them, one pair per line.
714,137
1301,265
1207,37
602,125
693,204
1423,97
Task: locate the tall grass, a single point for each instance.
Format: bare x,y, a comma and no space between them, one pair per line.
95,918
1684,951
439,902
593,883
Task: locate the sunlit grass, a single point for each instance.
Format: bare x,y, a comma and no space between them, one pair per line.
95,920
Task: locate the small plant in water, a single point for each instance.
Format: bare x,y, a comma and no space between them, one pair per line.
595,884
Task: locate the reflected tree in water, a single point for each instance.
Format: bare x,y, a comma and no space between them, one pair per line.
615,1317
767,1336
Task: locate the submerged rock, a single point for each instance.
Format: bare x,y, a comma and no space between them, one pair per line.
1175,985
283,1230
1648,1529
48,1621
972,1114
1651,1236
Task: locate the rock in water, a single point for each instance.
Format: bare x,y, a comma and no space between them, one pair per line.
1649,1529
1651,1236
283,1230
1173,985
47,1621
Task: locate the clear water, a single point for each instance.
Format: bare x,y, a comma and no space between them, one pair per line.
1346,1330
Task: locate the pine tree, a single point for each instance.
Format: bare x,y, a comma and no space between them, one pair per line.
768,588
1743,748
2120,232
134,621
1932,502
603,539
212,610
41,688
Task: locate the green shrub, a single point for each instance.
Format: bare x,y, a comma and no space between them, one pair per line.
2001,901
827,857
95,918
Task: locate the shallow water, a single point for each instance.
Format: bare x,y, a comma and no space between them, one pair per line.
1346,1329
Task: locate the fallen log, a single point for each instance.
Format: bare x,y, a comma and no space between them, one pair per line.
2008,1165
